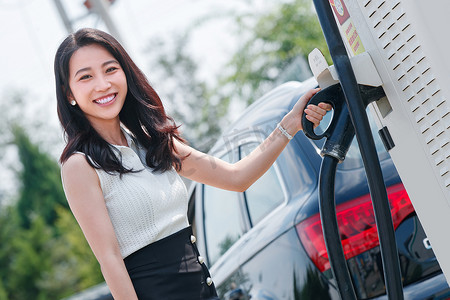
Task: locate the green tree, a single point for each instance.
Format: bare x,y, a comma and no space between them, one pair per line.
73,257
9,229
31,259
192,103
276,50
273,49
41,189
44,254
74,267
3,295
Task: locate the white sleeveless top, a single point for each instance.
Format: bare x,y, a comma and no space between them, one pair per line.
144,207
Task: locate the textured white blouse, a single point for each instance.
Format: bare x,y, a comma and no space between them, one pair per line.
144,207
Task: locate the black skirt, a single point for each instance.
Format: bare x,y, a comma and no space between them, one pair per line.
170,269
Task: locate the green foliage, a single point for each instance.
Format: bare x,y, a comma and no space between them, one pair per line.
277,49
30,261
73,245
3,295
273,49
74,267
9,229
41,191
43,253
192,103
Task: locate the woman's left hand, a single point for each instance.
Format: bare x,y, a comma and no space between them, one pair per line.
292,122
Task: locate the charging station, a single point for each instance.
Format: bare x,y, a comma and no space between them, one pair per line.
401,45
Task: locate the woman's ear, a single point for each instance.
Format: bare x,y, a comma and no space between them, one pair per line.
71,98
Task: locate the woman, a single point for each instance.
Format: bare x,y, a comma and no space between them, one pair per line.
121,168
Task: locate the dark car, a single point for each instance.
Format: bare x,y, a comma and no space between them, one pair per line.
267,242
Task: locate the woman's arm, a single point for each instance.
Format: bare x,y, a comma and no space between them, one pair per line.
239,176
83,192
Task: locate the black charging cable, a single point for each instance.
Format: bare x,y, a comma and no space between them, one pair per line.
356,109
339,135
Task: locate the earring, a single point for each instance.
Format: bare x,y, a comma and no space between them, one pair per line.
73,102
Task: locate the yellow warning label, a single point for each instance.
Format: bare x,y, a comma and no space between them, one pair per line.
353,38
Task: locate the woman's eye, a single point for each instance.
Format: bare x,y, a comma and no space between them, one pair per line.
85,77
110,69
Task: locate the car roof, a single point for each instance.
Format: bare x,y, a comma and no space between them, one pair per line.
272,105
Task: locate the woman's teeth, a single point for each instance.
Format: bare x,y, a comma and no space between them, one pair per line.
104,100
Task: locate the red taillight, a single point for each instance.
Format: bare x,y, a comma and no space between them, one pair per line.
357,226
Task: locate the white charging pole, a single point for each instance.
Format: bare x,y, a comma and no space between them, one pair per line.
408,44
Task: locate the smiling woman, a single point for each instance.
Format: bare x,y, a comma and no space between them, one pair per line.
121,168
86,64
98,85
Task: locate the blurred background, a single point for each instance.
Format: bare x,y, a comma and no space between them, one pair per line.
208,60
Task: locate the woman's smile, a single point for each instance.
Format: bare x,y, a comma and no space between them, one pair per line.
107,100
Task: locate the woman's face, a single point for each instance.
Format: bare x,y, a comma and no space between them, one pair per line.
97,83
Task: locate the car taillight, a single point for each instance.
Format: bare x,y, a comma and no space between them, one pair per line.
357,226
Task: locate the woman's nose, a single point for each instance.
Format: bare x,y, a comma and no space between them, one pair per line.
102,84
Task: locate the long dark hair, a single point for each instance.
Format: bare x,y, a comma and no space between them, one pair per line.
143,113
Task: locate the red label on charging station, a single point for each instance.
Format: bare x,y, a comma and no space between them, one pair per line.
340,10
347,27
